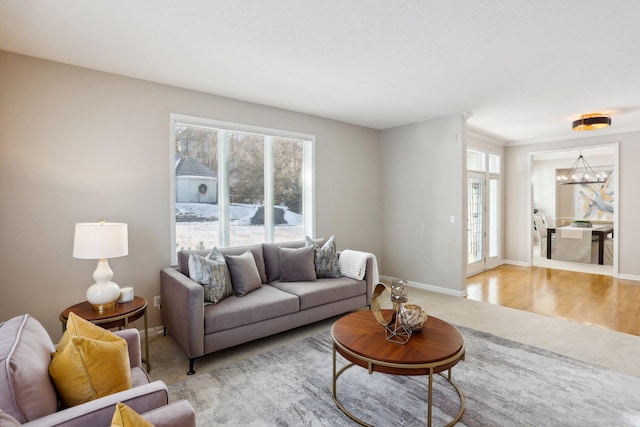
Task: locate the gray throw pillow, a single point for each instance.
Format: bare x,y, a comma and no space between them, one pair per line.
212,273
296,265
244,273
326,258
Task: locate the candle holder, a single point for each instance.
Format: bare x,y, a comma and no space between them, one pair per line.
395,330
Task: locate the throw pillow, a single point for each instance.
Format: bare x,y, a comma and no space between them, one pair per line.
326,258
77,326
87,367
296,265
212,273
127,417
244,273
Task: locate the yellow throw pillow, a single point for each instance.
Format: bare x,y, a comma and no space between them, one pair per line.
77,326
127,417
87,368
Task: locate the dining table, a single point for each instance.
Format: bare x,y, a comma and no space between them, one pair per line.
602,231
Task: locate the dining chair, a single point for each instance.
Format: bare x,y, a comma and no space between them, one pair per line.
572,244
541,228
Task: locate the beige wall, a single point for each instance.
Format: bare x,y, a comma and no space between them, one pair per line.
423,187
78,145
517,205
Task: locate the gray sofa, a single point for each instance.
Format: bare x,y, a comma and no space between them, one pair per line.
201,328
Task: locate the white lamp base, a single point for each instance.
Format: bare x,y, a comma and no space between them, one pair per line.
104,293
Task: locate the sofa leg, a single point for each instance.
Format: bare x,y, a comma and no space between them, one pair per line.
164,331
191,362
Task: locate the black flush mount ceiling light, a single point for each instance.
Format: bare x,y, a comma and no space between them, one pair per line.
581,173
592,122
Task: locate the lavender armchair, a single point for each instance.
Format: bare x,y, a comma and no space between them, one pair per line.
28,395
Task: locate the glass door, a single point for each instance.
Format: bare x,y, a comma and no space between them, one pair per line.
483,211
475,222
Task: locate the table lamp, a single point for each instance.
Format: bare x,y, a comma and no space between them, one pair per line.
101,240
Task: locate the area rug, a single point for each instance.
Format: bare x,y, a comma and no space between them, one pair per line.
505,383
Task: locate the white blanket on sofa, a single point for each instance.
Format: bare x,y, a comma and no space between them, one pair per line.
354,264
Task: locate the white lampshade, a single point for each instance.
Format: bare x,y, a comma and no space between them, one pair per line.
96,240
101,240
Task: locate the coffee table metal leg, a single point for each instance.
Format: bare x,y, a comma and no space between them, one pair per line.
333,382
337,373
430,402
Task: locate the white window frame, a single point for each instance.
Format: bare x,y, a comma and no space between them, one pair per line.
308,179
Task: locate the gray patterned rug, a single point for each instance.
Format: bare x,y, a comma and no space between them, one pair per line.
505,384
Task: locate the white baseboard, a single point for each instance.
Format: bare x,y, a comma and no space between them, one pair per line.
153,331
432,288
518,263
629,277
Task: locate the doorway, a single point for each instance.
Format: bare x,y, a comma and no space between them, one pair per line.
549,200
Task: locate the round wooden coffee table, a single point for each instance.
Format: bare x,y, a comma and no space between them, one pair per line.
360,339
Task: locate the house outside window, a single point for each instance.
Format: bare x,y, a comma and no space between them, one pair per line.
235,185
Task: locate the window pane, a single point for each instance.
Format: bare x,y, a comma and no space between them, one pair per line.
493,217
475,205
196,187
287,194
475,161
246,189
494,163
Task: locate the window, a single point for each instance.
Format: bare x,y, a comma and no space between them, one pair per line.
476,160
494,163
239,185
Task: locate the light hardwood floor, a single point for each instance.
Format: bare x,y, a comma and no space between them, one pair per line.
587,298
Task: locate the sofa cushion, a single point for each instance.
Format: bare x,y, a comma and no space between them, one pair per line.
26,392
323,291
124,416
90,363
297,264
272,256
326,258
212,273
256,250
244,273
261,304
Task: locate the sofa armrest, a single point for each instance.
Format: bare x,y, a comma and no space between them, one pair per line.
132,337
183,310
99,412
368,277
176,414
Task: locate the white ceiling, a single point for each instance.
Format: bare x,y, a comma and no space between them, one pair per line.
524,69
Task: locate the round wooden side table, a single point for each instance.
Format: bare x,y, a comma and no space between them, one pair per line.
118,317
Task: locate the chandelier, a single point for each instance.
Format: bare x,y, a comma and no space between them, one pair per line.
581,173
